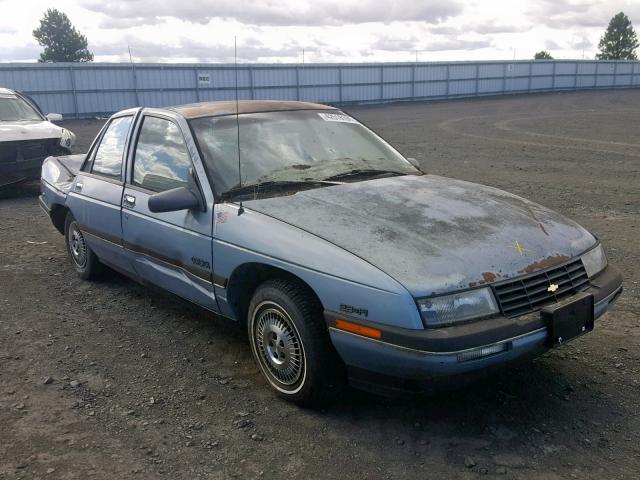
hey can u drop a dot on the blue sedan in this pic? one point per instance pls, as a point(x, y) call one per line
point(342, 258)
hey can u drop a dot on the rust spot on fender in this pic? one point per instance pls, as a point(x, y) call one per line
point(488, 277)
point(473, 284)
point(547, 262)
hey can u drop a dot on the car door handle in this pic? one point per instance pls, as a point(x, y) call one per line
point(129, 201)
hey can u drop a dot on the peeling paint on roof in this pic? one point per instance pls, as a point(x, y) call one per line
point(208, 109)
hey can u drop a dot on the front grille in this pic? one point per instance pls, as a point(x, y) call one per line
point(27, 150)
point(528, 293)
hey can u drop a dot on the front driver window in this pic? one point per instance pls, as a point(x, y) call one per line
point(108, 158)
point(161, 160)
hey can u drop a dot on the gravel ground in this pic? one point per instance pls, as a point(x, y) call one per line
point(113, 380)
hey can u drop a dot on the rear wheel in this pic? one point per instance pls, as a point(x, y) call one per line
point(290, 343)
point(83, 260)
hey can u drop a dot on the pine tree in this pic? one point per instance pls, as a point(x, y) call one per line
point(60, 39)
point(619, 41)
point(543, 55)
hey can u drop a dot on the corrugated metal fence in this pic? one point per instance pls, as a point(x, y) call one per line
point(94, 89)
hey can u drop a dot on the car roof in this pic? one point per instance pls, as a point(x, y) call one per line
point(211, 109)
point(5, 92)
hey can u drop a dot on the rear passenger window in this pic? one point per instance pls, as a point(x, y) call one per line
point(108, 158)
point(161, 160)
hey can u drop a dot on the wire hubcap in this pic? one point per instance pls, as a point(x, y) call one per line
point(278, 344)
point(77, 246)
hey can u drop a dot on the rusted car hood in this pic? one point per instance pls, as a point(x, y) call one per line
point(434, 234)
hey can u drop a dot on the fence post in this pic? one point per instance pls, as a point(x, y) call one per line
point(197, 79)
point(297, 83)
point(553, 76)
point(135, 84)
point(477, 92)
point(340, 84)
point(504, 78)
point(448, 81)
point(615, 74)
point(575, 76)
point(413, 81)
point(251, 90)
point(381, 83)
point(72, 77)
point(530, 76)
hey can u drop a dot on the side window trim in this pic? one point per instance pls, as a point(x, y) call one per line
point(96, 146)
point(132, 145)
point(207, 174)
point(88, 159)
point(131, 164)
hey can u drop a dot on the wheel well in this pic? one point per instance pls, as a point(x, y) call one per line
point(58, 216)
point(246, 278)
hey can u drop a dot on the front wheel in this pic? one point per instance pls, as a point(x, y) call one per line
point(290, 343)
point(83, 260)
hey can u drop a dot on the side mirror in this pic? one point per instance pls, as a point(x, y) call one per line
point(414, 162)
point(54, 117)
point(173, 200)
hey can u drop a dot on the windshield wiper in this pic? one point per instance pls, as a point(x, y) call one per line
point(256, 189)
point(364, 173)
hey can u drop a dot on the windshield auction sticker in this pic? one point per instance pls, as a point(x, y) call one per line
point(337, 117)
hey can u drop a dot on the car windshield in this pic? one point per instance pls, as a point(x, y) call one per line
point(293, 146)
point(14, 109)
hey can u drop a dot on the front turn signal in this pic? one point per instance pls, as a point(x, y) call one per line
point(358, 329)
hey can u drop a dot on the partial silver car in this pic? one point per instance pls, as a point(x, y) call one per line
point(27, 137)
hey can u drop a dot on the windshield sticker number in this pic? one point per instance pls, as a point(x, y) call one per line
point(337, 117)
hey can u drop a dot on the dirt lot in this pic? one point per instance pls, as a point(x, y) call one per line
point(146, 386)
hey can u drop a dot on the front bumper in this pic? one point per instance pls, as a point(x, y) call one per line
point(16, 165)
point(14, 172)
point(402, 356)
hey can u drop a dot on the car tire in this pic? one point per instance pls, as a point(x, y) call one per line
point(83, 259)
point(290, 343)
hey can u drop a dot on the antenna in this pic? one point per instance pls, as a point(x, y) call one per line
point(235, 63)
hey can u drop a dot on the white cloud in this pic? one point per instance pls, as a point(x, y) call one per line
point(581, 13)
point(278, 12)
point(328, 30)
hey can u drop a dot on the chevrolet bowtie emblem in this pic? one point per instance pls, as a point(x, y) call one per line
point(552, 288)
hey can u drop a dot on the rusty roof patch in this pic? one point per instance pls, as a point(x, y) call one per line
point(210, 109)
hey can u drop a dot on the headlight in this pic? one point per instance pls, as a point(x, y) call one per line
point(67, 139)
point(459, 307)
point(594, 260)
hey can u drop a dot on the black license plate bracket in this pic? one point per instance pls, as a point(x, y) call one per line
point(569, 318)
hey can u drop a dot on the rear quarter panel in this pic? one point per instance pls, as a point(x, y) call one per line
point(55, 182)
